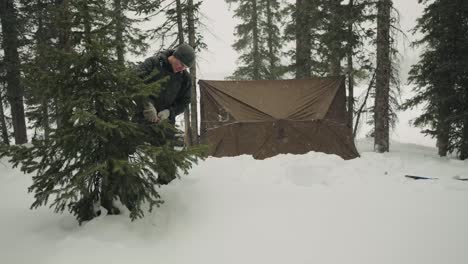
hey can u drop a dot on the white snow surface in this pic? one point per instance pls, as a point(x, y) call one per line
point(312, 208)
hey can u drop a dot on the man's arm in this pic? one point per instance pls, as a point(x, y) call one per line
point(145, 106)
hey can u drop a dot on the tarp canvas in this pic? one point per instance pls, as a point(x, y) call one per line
point(268, 117)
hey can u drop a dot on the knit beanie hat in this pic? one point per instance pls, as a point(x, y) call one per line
point(185, 54)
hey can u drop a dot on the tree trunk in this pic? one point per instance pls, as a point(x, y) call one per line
point(303, 40)
point(45, 119)
point(180, 34)
point(3, 123)
point(180, 22)
point(464, 135)
point(443, 125)
point(15, 90)
point(106, 200)
point(350, 89)
point(382, 93)
point(464, 143)
point(271, 51)
point(202, 118)
point(257, 60)
point(350, 68)
point(193, 73)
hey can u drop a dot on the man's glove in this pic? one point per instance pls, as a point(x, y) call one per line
point(164, 114)
point(150, 113)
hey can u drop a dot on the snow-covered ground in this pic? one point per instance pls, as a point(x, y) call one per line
point(312, 208)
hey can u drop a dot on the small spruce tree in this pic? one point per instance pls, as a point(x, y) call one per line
point(99, 158)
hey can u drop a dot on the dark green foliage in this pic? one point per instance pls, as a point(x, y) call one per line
point(259, 39)
point(99, 156)
point(441, 75)
point(328, 38)
point(302, 29)
point(50, 29)
point(36, 64)
point(336, 38)
point(334, 35)
point(271, 27)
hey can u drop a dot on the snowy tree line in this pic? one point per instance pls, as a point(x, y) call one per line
point(357, 38)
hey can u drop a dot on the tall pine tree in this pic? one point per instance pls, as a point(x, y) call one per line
point(259, 39)
point(3, 120)
point(384, 86)
point(302, 18)
point(334, 34)
point(40, 108)
point(326, 32)
point(440, 76)
point(358, 34)
point(383, 75)
point(4, 124)
point(11, 46)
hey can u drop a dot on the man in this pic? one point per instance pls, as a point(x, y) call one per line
point(169, 67)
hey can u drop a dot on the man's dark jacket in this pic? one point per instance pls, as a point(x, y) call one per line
point(175, 88)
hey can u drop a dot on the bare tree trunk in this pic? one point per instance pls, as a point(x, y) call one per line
point(15, 90)
point(193, 73)
point(382, 93)
point(464, 144)
point(3, 123)
point(350, 89)
point(202, 118)
point(350, 69)
point(45, 119)
point(271, 51)
point(257, 61)
point(443, 125)
point(303, 40)
point(180, 34)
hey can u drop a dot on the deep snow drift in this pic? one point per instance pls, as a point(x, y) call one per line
point(312, 208)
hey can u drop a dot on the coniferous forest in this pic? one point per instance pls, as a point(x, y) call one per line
point(70, 92)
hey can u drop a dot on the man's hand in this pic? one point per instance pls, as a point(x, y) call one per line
point(150, 113)
point(164, 114)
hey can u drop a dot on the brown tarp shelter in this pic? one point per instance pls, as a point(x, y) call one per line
point(265, 118)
